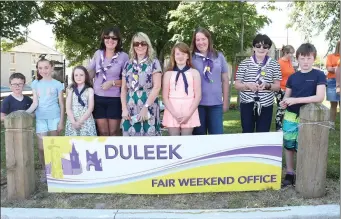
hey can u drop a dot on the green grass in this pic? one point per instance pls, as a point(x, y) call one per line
point(284, 197)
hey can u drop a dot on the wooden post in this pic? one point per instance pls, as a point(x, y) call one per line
point(312, 152)
point(19, 155)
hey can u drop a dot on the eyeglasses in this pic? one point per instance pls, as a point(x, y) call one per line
point(265, 46)
point(143, 43)
point(110, 37)
point(17, 85)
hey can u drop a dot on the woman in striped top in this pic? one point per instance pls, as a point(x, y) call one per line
point(257, 78)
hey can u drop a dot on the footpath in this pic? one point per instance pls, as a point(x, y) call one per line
point(295, 212)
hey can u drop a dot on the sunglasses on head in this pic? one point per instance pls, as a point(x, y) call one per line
point(110, 37)
point(265, 46)
point(143, 43)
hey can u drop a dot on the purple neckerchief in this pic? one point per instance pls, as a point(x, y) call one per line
point(208, 66)
point(182, 72)
point(259, 80)
point(137, 68)
point(104, 69)
point(75, 89)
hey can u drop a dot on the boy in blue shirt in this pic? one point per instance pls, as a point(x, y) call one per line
point(305, 86)
point(16, 100)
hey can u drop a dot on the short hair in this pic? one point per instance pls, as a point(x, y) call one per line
point(306, 49)
point(18, 76)
point(287, 49)
point(117, 33)
point(262, 38)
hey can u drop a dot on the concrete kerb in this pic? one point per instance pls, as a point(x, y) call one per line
point(302, 212)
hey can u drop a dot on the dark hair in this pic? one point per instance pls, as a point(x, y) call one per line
point(18, 76)
point(87, 77)
point(287, 49)
point(117, 33)
point(210, 41)
point(306, 49)
point(262, 38)
point(39, 77)
point(183, 47)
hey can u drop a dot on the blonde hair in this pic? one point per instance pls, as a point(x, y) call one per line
point(141, 37)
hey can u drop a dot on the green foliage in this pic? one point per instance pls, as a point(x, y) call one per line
point(316, 17)
point(15, 17)
point(222, 19)
point(78, 25)
point(7, 45)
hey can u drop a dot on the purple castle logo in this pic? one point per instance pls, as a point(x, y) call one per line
point(92, 160)
point(70, 167)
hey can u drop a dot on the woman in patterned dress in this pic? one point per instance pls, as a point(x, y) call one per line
point(141, 84)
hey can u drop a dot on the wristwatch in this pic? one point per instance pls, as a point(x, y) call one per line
point(113, 83)
point(146, 105)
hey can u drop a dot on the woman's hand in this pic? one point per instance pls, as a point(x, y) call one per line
point(106, 85)
point(252, 86)
point(143, 115)
point(125, 114)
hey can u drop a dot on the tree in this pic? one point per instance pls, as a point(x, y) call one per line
point(15, 17)
point(77, 25)
point(222, 19)
point(312, 18)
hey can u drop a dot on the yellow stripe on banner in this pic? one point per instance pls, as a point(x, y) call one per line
point(225, 177)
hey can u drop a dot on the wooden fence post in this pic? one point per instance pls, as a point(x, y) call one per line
point(19, 155)
point(311, 168)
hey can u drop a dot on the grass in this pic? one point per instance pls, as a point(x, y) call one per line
point(284, 197)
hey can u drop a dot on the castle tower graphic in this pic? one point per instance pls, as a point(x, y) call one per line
point(76, 167)
point(92, 160)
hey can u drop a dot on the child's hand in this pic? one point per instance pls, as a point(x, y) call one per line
point(283, 105)
point(185, 119)
point(290, 101)
point(76, 125)
point(60, 127)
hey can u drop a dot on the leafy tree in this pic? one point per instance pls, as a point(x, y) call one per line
point(312, 18)
point(77, 25)
point(15, 17)
point(222, 19)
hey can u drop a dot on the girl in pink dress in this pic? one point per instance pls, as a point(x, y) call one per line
point(181, 91)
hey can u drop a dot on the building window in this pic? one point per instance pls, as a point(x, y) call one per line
point(11, 70)
point(12, 58)
point(34, 59)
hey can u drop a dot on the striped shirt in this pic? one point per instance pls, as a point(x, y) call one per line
point(247, 72)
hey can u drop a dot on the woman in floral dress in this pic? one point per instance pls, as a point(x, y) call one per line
point(141, 84)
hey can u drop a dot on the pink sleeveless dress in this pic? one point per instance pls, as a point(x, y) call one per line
point(181, 102)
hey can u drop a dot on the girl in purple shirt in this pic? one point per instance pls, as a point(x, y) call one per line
point(106, 70)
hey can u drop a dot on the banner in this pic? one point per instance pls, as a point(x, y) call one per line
point(164, 165)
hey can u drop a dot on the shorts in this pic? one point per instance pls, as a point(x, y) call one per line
point(107, 107)
point(290, 130)
point(47, 125)
point(332, 96)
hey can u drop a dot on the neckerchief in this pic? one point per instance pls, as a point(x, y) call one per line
point(182, 72)
point(75, 89)
point(259, 80)
point(137, 69)
point(208, 66)
point(103, 69)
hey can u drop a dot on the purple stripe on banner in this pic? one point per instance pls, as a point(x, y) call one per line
point(261, 150)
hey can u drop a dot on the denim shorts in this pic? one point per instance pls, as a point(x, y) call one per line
point(332, 96)
point(47, 125)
